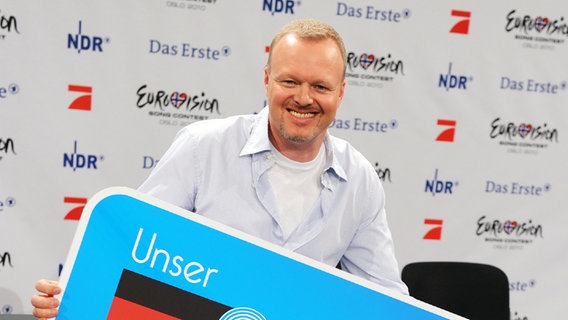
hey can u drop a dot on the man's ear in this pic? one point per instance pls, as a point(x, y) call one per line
point(342, 90)
point(266, 72)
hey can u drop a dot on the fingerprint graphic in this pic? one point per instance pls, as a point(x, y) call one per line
point(242, 313)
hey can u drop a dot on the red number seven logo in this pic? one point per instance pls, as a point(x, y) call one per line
point(75, 213)
point(461, 26)
point(436, 232)
point(82, 102)
point(448, 134)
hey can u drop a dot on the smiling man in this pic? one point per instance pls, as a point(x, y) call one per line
point(304, 81)
point(279, 175)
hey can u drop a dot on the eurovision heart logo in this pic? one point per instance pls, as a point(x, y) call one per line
point(366, 59)
point(178, 99)
point(524, 129)
point(509, 226)
point(540, 23)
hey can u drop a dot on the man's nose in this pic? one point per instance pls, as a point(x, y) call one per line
point(303, 95)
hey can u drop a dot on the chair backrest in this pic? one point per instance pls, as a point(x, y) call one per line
point(471, 290)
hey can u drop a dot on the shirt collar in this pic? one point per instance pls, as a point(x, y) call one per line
point(334, 164)
point(257, 141)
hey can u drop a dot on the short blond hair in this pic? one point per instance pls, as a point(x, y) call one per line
point(311, 29)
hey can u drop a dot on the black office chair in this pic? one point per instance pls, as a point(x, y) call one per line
point(472, 290)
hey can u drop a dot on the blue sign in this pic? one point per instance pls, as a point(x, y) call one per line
point(136, 257)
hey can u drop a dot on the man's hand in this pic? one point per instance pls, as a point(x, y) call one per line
point(45, 304)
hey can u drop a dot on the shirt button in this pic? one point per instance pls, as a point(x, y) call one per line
point(269, 157)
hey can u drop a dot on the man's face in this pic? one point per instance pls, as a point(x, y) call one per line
point(304, 86)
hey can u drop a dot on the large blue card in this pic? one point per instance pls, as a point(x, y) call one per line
point(135, 257)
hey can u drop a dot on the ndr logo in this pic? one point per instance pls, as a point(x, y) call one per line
point(436, 185)
point(279, 6)
point(77, 160)
point(452, 81)
point(81, 42)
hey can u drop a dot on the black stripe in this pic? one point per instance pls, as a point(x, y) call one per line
point(167, 299)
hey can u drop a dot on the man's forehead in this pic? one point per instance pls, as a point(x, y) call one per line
point(292, 38)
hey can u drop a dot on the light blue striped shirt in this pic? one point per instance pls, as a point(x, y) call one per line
point(217, 168)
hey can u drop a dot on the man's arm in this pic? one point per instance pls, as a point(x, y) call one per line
point(371, 255)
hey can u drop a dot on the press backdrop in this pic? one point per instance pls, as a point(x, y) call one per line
point(459, 105)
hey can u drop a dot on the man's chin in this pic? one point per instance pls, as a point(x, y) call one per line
point(299, 139)
point(297, 135)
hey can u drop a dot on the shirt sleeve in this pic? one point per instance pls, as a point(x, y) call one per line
point(174, 178)
point(370, 254)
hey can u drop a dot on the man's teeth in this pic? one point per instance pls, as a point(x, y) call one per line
point(301, 115)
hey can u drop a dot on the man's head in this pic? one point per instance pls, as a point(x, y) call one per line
point(304, 81)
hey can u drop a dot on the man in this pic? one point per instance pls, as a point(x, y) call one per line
point(279, 175)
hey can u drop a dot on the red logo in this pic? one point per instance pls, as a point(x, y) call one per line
point(462, 26)
point(75, 213)
point(436, 232)
point(448, 134)
point(83, 102)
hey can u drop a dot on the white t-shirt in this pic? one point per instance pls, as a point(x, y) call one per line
point(297, 186)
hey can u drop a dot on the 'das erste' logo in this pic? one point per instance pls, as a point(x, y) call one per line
point(370, 12)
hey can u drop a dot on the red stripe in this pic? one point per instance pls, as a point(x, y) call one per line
point(443, 122)
point(121, 309)
point(433, 221)
point(459, 13)
point(74, 200)
point(76, 88)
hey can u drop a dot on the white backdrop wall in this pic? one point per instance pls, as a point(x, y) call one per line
point(460, 105)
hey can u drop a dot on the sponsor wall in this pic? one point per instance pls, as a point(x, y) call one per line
point(459, 105)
